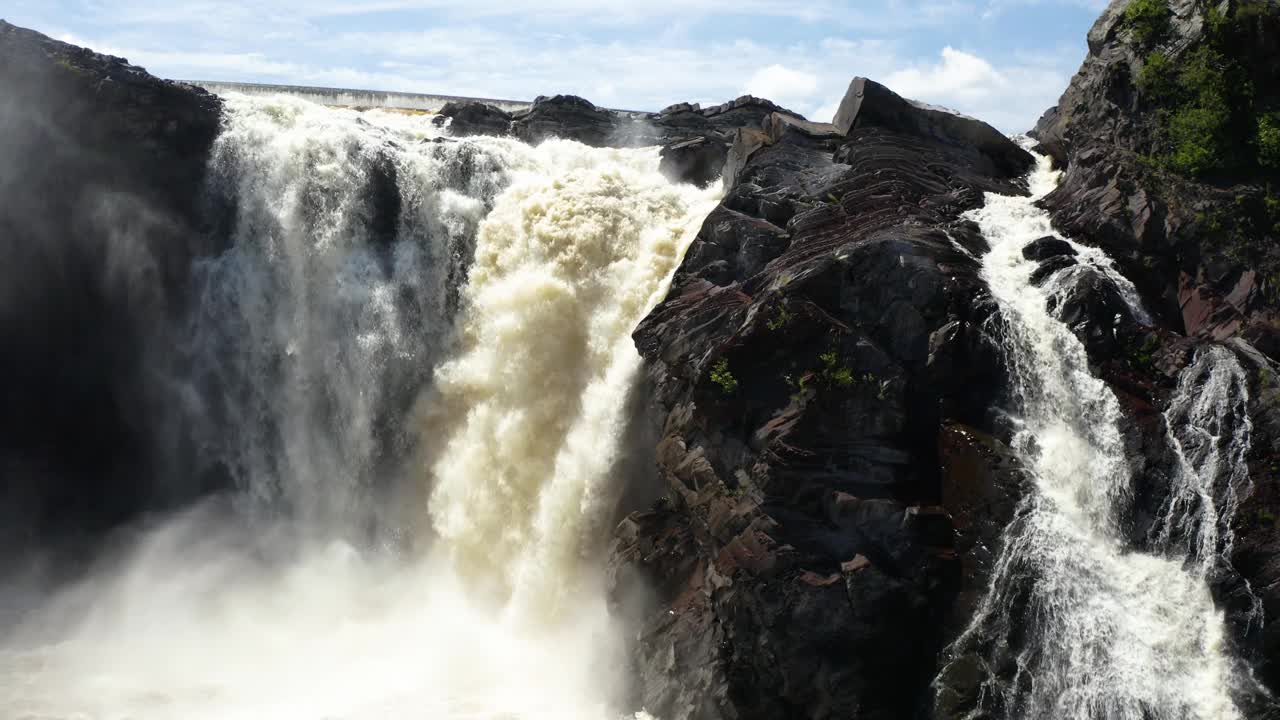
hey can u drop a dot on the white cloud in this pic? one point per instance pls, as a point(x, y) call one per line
point(782, 85)
point(960, 76)
point(675, 61)
point(825, 113)
point(1010, 98)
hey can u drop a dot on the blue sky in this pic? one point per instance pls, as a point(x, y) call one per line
point(1004, 61)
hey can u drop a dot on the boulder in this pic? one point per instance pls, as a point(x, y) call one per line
point(1047, 247)
point(1090, 304)
point(699, 160)
point(475, 118)
point(565, 116)
point(1050, 266)
point(868, 103)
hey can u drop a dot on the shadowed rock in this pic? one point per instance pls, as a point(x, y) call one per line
point(475, 118)
point(101, 184)
point(698, 161)
point(564, 116)
point(1047, 247)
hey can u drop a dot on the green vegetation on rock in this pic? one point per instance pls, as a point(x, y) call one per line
point(1207, 110)
point(722, 376)
point(779, 320)
point(833, 372)
point(1158, 77)
point(1269, 141)
point(1147, 20)
point(1143, 357)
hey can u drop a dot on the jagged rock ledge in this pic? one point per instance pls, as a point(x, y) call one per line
point(695, 140)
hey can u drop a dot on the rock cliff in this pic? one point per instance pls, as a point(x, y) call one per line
point(822, 376)
point(102, 178)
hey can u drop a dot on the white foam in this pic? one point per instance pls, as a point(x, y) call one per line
point(285, 612)
point(1108, 632)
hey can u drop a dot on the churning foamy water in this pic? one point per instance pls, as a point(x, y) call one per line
point(1077, 624)
point(414, 363)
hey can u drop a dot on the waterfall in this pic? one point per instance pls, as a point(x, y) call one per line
point(1208, 429)
point(319, 325)
point(413, 363)
point(535, 401)
point(1077, 624)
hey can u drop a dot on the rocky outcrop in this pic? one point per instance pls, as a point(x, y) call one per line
point(102, 178)
point(821, 349)
point(1191, 217)
point(869, 103)
point(467, 118)
point(1199, 245)
point(698, 160)
point(695, 141)
point(569, 117)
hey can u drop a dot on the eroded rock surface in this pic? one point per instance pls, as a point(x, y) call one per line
point(820, 351)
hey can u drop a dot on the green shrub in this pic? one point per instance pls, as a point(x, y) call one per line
point(1158, 78)
point(779, 320)
point(1203, 73)
point(721, 375)
point(1271, 204)
point(1269, 140)
point(1201, 101)
point(1197, 135)
point(833, 372)
point(1147, 20)
point(1204, 99)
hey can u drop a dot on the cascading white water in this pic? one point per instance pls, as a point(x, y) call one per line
point(1209, 431)
point(316, 329)
point(319, 329)
point(1076, 624)
point(536, 400)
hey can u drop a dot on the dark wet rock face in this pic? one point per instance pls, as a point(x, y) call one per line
point(1047, 247)
point(1050, 266)
point(869, 103)
point(1257, 526)
point(698, 160)
point(102, 177)
point(1198, 241)
point(806, 557)
point(475, 118)
point(565, 116)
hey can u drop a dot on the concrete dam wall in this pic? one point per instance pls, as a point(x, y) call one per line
point(353, 98)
